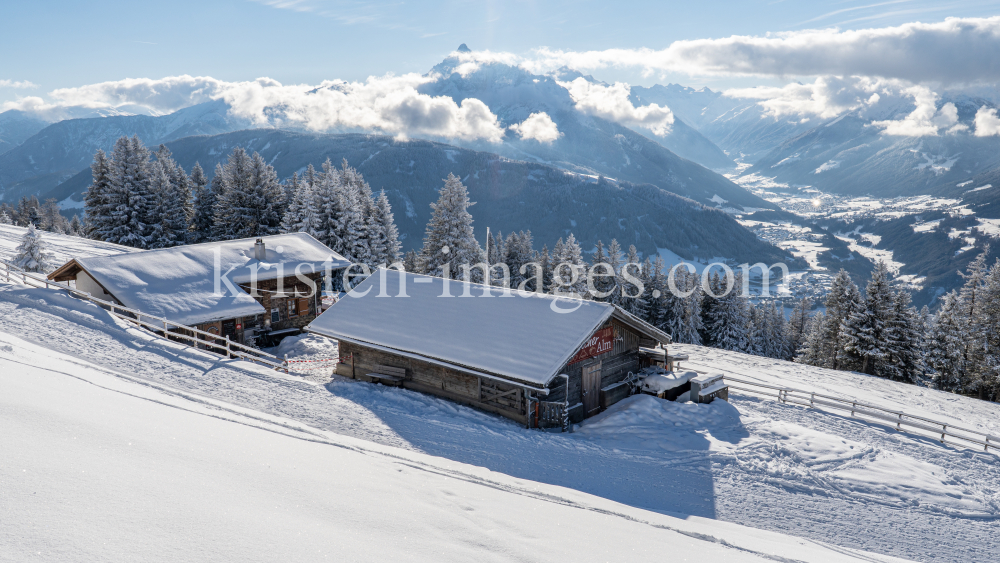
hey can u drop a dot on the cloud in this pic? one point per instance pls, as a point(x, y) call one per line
point(987, 123)
point(15, 84)
point(926, 119)
point(390, 104)
point(830, 96)
point(957, 50)
point(612, 103)
point(826, 97)
point(538, 126)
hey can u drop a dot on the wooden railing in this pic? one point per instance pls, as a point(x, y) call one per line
point(897, 419)
point(170, 329)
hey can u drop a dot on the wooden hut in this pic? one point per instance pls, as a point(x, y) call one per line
point(233, 288)
point(530, 357)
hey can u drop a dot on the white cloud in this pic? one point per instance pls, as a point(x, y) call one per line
point(826, 97)
point(987, 122)
point(538, 126)
point(612, 103)
point(390, 104)
point(957, 50)
point(926, 119)
point(17, 84)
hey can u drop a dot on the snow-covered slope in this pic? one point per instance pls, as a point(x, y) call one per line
point(100, 464)
point(62, 247)
point(754, 462)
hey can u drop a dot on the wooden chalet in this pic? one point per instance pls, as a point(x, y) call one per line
point(211, 286)
point(526, 356)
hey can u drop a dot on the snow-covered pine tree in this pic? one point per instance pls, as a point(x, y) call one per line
point(729, 322)
point(95, 199)
point(904, 340)
point(290, 186)
point(203, 206)
point(656, 292)
point(616, 259)
point(798, 328)
point(692, 327)
point(814, 348)
point(51, 219)
point(28, 212)
point(945, 345)
point(328, 202)
point(987, 321)
point(5, 218)
point(867, 330)
point(169, 210)
point(544, 259)
point(450, 228)
point(129, 196)
point(75, 226)
point(776, 342)
point(411, 262)
point(518, 253)
point(840, 302)
point(633, 299)
point(32, 254)
point(383, 240)
point(356, 222)
point(250, 202)
point(758, 330)
point(567, 258)
point(300, 213)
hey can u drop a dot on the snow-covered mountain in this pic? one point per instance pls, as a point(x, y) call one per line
point(16, 126)
point(60, 150)
point(849, 155)
point(738, 126)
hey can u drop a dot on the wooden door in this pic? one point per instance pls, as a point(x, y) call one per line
point(591, 389)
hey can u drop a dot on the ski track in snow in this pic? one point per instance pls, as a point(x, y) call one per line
point(755, 462)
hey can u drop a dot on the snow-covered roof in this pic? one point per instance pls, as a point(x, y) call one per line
point(521, 337)
point(180, 283)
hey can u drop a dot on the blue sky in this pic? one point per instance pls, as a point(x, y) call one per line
point(58, 44)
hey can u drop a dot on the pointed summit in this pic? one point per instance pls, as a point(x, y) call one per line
point(463, 48)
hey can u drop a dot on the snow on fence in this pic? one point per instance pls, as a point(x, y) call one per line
point(898, 419)
point(155, 324)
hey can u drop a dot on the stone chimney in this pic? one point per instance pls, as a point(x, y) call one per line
point(258, 251)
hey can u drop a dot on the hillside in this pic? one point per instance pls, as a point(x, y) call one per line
point(183, 456)
point(823, 476)
point(511, 195)
point(62, 247)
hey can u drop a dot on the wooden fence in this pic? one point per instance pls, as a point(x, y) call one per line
point(901, 421)
point(170, 329)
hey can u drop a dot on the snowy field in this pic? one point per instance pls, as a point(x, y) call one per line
point(107, 458)
point(754, 462)
point(63, 247)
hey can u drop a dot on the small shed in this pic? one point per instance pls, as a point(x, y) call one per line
point(503, 351)
point(210, 286)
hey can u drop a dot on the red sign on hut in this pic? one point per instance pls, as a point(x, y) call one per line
point(600, 342)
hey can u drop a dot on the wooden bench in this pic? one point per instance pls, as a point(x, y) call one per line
point(387, 375)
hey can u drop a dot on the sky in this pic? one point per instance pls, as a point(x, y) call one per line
point(346, 64)
point(57, 44)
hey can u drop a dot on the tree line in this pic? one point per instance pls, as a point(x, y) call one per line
point(144, 199)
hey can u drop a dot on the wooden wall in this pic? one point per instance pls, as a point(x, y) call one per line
point(615, 366)
point(489, 395)
point(290, 284)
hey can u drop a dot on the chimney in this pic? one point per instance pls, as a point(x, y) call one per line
point(258, 251)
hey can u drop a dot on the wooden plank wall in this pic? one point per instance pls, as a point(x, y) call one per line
point(489, 395)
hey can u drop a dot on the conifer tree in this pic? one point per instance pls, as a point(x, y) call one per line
point(129, 197)
point(203, 206)
point(4, 217)
point(32, 254)
point(449, 241)
point(95, 199)
point(383, 242)
point(815, 347)
point(633, 299)
point(170, 209)
point(251, 201)
point(75, 226)
point(411, 262)
point(798, 328)
point(567, 259)
point(867, 330)
point(729, 323)
point(945, 345)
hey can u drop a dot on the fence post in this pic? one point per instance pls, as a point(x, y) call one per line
point(944, 428)
point(286, 364)
point(228, 353)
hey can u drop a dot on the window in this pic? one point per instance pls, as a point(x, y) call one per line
point(291, 308)
point(275, 316)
